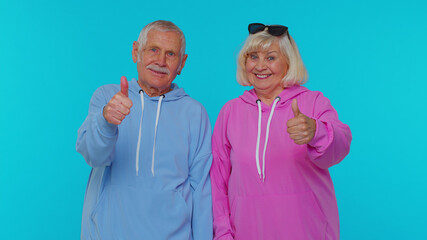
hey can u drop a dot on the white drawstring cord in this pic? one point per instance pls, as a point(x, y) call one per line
point(262, 175)
point(266, 136)
point(258, 138)
point(155, 132)
point(141, 94)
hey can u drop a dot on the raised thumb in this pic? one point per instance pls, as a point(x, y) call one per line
point(124, 86)
point(295, 108)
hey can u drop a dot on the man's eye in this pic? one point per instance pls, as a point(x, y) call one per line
point(153, 49)
point(171, 54)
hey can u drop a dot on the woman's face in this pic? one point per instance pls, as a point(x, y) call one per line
point(266, 69)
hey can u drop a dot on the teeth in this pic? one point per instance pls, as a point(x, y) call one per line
point(261, 76)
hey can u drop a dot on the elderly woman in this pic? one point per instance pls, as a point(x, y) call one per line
point(272, 148)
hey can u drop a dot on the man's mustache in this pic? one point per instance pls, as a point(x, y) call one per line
point(158, 69)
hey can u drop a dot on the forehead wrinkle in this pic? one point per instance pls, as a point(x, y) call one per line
point(169, 37)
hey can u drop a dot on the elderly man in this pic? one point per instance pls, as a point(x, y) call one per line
point(149, 146)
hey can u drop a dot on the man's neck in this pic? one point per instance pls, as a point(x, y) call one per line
point(152, 91)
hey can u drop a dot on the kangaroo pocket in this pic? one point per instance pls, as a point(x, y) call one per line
point(290, 216)
point(135, 213)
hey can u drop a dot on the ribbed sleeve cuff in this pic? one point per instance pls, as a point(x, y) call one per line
point(321, 137)
point(105, 128)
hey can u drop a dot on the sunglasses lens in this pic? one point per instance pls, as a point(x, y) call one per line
point(277, 30)
point(256, 27)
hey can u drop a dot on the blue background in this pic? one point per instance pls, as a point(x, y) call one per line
point(368, 57)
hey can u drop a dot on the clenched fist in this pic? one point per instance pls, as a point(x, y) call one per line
point(119, 106)
point(301, 128)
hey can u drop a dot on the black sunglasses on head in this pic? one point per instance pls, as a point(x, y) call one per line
point(275, 30)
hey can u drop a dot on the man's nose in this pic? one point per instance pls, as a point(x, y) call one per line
point(161, 60)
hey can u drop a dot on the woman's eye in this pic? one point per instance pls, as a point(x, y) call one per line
point(270, 58)
point(253, 56)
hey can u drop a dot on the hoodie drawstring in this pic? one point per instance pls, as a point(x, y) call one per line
point(141, 94)
point(262, 175)
point(155, 132)
point(258, 137)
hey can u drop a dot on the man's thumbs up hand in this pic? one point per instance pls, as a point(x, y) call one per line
point(119, 106)
point(124, 86)
point(301, 128)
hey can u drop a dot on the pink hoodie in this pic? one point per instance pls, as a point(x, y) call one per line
point(296, 199)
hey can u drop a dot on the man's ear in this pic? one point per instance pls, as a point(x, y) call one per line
point(184, 58)
point(135, 51)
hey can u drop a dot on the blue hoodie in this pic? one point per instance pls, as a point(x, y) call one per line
point(162, 191)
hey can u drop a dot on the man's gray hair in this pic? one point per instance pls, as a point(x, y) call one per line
point(162, 26)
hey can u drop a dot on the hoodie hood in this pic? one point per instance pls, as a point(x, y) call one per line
point(287, 94)
point(175, 94)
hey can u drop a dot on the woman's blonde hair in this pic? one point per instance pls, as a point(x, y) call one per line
point(296, 75)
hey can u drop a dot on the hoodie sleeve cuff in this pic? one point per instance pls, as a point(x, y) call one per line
point(321, 137)
point(104, 127)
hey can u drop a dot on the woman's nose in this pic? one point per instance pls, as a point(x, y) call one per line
point(260, 65)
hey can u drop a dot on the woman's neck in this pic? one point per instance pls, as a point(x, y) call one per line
point(267, 97)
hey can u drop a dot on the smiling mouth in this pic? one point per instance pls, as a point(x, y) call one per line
point(262, 76)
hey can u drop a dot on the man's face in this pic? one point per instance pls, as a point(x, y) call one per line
point(160, 60)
